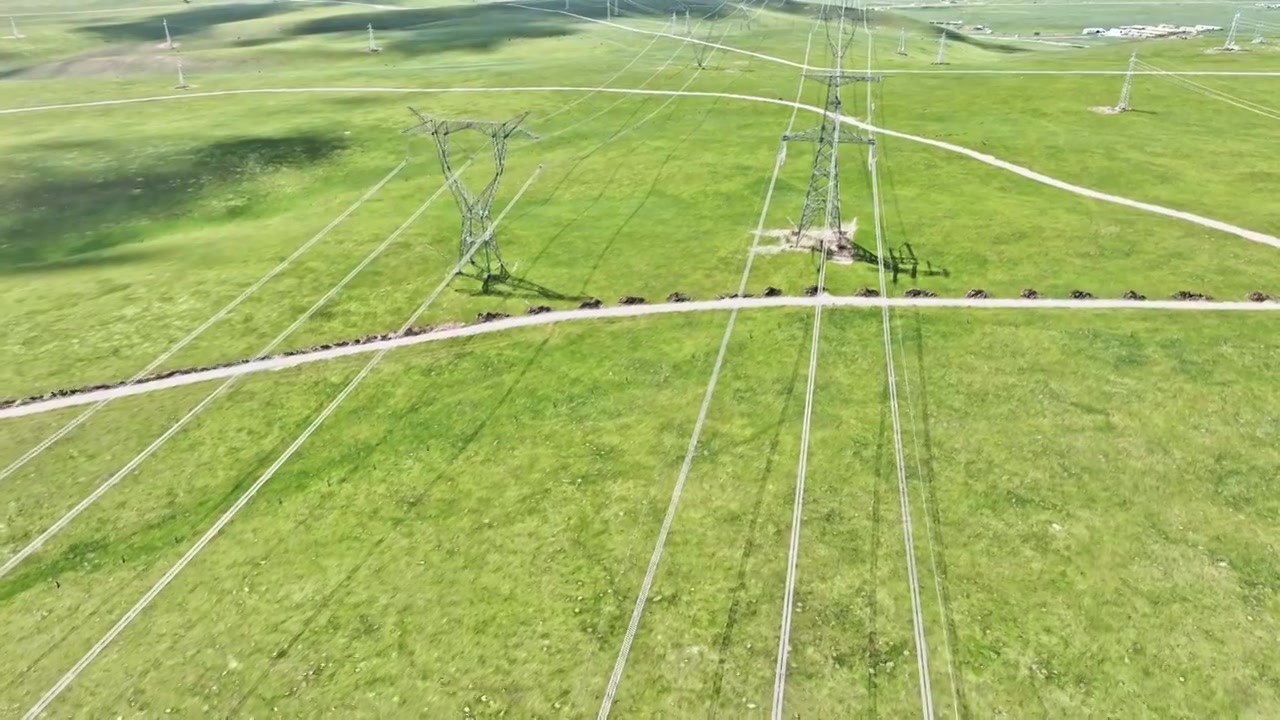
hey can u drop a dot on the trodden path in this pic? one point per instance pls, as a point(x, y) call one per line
point(1251, 235)
point(622, 311)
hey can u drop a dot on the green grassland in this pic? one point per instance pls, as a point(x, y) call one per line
point(598, 461)
point(132, 224)
point(467, 534)
point(478, 518)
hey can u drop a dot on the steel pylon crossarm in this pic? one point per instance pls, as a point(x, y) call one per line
point(822, 199)
point(477, 225)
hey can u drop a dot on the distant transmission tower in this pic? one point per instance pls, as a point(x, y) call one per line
point(182, 81)
point(477, 226)
point(1230, 44)
point(373, 47)
point(13, 24)
point(702, 51)
point(942, 50)
point(902, 42)
point(688, 26)
point(168, 39)
point(822, 199)
point(1257, 35)
point(1127, 90)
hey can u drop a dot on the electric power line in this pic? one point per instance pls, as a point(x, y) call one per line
point(177, 427)
point(213, 319)
point(922, 652)
point(633, 625)
point(1210, 92)
point(125, 620)
point(823, 194)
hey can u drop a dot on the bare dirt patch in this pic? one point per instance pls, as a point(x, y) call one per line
point(839, 246)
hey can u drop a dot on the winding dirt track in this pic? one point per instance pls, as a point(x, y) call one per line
point(622, 311)
point(1251, 235)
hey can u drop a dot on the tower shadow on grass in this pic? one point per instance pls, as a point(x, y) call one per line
point(885, 473)
point(732, 617)
point(904, 257)
point(653, 186)
point(587, 208)
point(873, 653)
point(84, 558)
point(517, 287)
point(939, 547)
point(337, 590)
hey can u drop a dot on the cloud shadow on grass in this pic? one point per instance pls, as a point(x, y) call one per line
point(443, 29)
point(482, 27)
point(979, 43)
point(81, 262)
point(57, 220)
point(183, 23)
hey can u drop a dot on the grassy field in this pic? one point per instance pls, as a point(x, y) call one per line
point(596, 461)
point(467, 535)
point(130, 225)
point(1106, 552)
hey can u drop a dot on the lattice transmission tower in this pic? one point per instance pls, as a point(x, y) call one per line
point(1126, 92)
point(902, 42)
point(13, 25)
point(1230, 44)
point(941, 59)
point(478, 244)
point(822, 199)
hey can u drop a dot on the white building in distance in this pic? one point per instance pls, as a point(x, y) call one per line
point(1151, 31)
